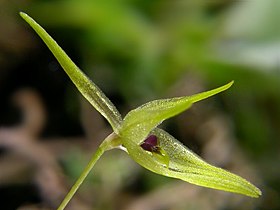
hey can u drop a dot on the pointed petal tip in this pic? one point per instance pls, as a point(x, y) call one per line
point(253, 192)
point(203, 95)
point(25, 16)
point(226, 86)
point(231, 83)
point(258, 193)
point(22, 14)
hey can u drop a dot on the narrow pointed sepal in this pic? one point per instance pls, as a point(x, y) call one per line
point(87, 88)
point(185, 165)
point(140, 121)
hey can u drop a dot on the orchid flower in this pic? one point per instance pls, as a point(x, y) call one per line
point(138, 133)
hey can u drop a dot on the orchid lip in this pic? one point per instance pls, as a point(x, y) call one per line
point(151, 144)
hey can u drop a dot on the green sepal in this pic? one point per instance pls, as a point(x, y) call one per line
point(87, 88)
point(139, 122)
point(187, 166)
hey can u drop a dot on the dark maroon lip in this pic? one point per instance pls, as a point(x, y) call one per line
point(150, 144)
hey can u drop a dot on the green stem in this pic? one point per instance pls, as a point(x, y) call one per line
point(110, 142)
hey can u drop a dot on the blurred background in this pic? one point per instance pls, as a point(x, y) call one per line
point(136, 51)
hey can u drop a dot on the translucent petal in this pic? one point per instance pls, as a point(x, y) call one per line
point(139, 122)
point(187, 166)
point(88, 89)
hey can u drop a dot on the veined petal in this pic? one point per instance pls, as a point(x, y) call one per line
point(140, 121)
point(187, 166)
point(87, 88)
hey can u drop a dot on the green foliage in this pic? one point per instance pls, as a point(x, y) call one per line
point(166, 155)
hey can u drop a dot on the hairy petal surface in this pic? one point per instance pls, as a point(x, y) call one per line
point(168, 156)
point(140, 121)
point(185, 165)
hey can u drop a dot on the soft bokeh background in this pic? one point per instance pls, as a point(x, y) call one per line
point(137, 51)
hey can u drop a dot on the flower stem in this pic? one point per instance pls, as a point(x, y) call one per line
point(109, 143)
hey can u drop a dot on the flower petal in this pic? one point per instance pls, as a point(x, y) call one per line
point(87, 88)
point(140, 121)
point(187, 166)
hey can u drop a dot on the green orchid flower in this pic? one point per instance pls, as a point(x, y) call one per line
point(138, 135)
